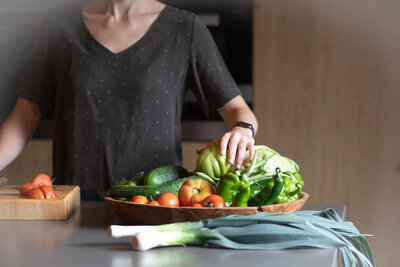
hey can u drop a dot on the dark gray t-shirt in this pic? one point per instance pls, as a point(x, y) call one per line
point(119, 114)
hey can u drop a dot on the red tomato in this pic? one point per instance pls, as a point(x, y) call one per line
point(195, 205)
point(25, 188)
point(154, 203)
point(36, 193)
point(139, 199)
point(213, 201)
point(168, 199)
point(48, 191)
point(41, 179)
point(194, 191)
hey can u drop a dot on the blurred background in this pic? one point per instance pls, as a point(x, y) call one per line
point(325, 88)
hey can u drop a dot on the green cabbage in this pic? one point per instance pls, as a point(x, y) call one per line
point(267, 160)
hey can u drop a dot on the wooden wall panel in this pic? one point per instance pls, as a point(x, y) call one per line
point(190, 155)
point(36, 158)
point(327, 94)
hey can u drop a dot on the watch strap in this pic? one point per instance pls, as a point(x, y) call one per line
point(246, 125)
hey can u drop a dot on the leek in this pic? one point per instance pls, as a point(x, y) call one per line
point(263, 231)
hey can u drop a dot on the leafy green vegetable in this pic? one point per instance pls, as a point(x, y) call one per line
point(267, 160)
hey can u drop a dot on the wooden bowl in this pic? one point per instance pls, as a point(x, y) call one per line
point(154, 215)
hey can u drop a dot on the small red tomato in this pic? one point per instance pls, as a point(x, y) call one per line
point(195, 205)
point(36, 193)
point(213, 201)
point(139, 199)
point(168, 199)
point(154, 203)
point(25, 188)
point(41, 179)
point(48, 191)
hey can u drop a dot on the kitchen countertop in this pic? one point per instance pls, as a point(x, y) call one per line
point(82, 240)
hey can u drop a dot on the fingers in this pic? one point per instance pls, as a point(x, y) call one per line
point(223, 145)
point(237, 142)
point(251, 151)
point(240, 155)
point(245, 143)
point(233, 145)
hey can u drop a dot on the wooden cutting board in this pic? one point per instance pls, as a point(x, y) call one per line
point(16, 207)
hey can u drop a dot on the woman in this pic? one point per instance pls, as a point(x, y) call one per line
point(114, 73)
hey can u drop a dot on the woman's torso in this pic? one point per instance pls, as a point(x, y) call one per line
point(119, 113)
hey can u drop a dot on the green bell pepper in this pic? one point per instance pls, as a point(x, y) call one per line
point(234, 189)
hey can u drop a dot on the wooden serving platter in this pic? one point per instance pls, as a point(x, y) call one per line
point(13, 206)
point(147, 214)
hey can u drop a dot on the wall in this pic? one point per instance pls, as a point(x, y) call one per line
point(36, 158)
point(327, 94)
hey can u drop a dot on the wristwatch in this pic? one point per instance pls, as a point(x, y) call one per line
point(246, 125)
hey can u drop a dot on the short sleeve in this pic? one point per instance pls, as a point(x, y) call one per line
point(208, 76)
point(37, 83)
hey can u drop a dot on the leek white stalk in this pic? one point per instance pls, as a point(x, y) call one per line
point(147, 240)
point(117, 231)
point(264, 231)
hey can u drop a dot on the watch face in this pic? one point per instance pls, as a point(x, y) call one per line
point(246, 124)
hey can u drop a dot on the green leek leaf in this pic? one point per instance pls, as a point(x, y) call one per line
point(264, 231)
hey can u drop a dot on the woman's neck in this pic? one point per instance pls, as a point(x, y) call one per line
point(120, 8)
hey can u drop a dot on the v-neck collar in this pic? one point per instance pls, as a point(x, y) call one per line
point(132, 46)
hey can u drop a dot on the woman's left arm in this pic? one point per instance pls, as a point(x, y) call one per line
point(238, 139)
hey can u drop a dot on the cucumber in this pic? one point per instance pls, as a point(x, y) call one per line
point(126, 191)
point(166, 174)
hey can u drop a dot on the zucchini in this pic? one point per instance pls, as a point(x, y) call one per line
point(166, 174)
point(126, 191)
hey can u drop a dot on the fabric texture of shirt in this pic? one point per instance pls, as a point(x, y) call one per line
point(119, 114)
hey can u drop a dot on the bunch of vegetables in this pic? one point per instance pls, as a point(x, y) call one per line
point(169, 186)
point(268, 179)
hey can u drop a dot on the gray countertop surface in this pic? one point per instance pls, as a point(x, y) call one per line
point(82, 240)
